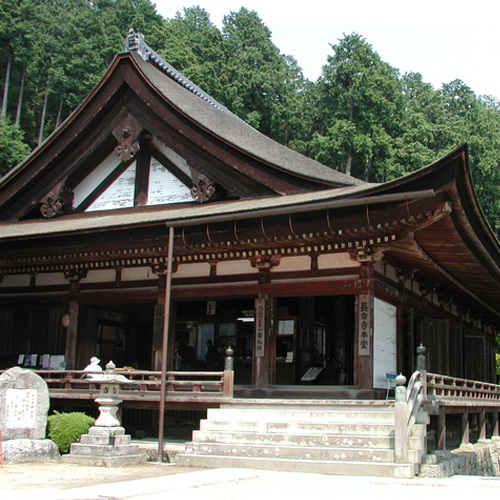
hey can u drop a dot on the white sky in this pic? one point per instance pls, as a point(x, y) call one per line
point(441, 39)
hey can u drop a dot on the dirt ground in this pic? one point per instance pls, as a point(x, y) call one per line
point(65, 476)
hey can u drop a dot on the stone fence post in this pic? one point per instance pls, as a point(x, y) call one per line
point(229, 359)
point(400, 421)
point(229, 373)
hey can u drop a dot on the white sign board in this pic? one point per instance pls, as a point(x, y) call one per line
point(20, 408)
point(384, 342)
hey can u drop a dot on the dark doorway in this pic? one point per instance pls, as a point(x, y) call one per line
point(119, 333)
point(314, 340)
point(204, 329)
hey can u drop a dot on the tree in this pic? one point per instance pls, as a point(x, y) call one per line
point(425, 130)
point(193, 45)
point(12, 147)
point(254, 72)
point(361, 109)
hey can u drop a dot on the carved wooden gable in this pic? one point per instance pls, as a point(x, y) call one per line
point(147, 136)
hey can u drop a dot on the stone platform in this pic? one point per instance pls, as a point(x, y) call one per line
point(105, 446)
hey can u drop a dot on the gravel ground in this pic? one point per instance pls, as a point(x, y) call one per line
point(65, 476)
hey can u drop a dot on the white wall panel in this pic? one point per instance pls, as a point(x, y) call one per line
point(335, 261)
point(384, 342)
point(232, 267)
point(15, 280)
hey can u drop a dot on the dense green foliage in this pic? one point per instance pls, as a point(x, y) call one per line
point(66, 428)
point(12, 147)
point(361, 116)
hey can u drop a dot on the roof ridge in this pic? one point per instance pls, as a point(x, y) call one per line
point(134, 42)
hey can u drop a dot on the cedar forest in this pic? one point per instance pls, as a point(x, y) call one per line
point(361, 116)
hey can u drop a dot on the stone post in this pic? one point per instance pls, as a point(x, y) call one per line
point(228, 381)
point(229, 359)
point(401, 421)
point(421, 363)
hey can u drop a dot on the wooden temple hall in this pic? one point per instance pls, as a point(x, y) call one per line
point(156, 226)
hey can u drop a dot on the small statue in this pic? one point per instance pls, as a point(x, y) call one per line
point(93, 367)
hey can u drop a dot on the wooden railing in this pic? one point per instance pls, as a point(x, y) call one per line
point(453, 391)
point(408, 406)
point(416, 395)
point(433, 392)
point(136, 385)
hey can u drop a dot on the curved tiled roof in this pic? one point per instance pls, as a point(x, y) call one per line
point(217, 119)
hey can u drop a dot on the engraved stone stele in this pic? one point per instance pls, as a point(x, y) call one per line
point(24, 404)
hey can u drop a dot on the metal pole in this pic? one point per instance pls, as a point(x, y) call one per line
point(164, 345)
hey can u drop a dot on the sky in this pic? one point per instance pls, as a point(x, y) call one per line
point(441, 39)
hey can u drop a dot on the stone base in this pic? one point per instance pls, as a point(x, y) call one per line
point(103, 461)
point(105, 446)
point(480, 459)
point(29, 450)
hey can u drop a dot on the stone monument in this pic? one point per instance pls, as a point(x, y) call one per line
point(24, 404)
point(106, 444)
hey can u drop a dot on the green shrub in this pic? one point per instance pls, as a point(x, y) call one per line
point(66, 428)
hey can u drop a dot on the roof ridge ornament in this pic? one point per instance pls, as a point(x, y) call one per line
point(134, 41)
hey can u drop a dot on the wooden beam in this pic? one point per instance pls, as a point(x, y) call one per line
point(441, 430)
point(142, 175)
point(465, 427)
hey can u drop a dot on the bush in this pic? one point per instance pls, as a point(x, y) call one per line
point(66, 428)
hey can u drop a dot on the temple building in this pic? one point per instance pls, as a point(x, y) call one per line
point(317, 280)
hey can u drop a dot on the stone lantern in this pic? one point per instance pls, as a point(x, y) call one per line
point(106, 443)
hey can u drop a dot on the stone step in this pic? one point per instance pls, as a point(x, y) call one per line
point(340, 440)
point(301, 415)
point(291, 452)
point(297, 427)
point(103, 439)
point(335, 437)
point(105, 461)
point(316, 466)
point(374, 405)
point(103, 450)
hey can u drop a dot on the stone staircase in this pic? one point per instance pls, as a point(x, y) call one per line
point(351, 437)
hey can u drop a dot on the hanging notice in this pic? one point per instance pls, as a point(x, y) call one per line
point(260, 326)
point(364, 325)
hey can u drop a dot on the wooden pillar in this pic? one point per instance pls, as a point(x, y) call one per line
point(263, 352)
point(482, 424)
point(160, 318)
point(465, 427)
point(494, 423)
point(72, 335)
point(363, 348)
point(441, 430)
point(74, 278)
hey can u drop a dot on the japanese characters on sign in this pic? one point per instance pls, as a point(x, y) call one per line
point(211, 307)
point(260, 326)
point(21, 407)
point(364, 325)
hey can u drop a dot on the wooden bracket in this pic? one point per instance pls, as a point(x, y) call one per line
point(127, 135)
point(75, 275)
point(205, 189)
point(58, 200)
point(265, 262)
